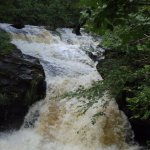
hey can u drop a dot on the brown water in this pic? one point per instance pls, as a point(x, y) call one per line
point(59, 123)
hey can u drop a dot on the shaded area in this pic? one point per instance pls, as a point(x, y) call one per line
point(51, 13)
point(123, 75)
point(22, 82)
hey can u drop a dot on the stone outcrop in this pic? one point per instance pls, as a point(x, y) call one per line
point(22, 82)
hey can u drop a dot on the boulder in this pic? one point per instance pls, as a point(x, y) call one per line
point(22, 82)
point(140, 127)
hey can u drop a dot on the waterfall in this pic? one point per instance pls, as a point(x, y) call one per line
point(58, 122)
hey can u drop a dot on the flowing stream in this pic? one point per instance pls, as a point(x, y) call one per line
point(58, 122)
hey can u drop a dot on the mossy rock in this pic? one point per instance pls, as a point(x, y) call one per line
point(22, 82)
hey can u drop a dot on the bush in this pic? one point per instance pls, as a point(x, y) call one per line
point(54, 13)
point(125, 30)
point(5, 46)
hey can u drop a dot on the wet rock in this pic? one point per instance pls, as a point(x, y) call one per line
point(18, 26)
point(139, 126)
point(95, 56)
point(18, 23)
point(82, 22)
point(22, 82)
point(76, 30)
point(92, 56)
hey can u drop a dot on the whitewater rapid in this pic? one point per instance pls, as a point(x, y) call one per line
point(58, 122)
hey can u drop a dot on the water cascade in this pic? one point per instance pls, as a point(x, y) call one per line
point(58, 122)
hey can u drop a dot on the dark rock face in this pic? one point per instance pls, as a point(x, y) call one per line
point(140, 127)
point(76, 30)
point(82, 22)
point(22, 82)
point(18, 26)
point(18, 23)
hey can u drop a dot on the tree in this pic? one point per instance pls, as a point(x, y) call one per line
point(125, 30)
point(54, 13)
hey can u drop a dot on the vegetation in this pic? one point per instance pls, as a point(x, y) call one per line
point(125, 30)
point(53, 13)
point(3, 99)
point(30, 96)
point(5, 46)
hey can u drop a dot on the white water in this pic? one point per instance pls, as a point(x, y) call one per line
point(61, 125)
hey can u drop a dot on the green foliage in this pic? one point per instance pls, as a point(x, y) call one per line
point(5, 46)
point(30, 96)
point(92, 92)
point(148, 145)
point(54, 13)
point(3, 99)
point(125, 30)
point(94, 118)
point(130, 77)
point(141, 102)
point(89, 96)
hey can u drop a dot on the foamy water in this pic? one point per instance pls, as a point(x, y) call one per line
point(58, 123)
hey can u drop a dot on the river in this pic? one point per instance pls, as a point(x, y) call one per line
point(59, 122)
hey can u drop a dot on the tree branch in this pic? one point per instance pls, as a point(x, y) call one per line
point(140, 40)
